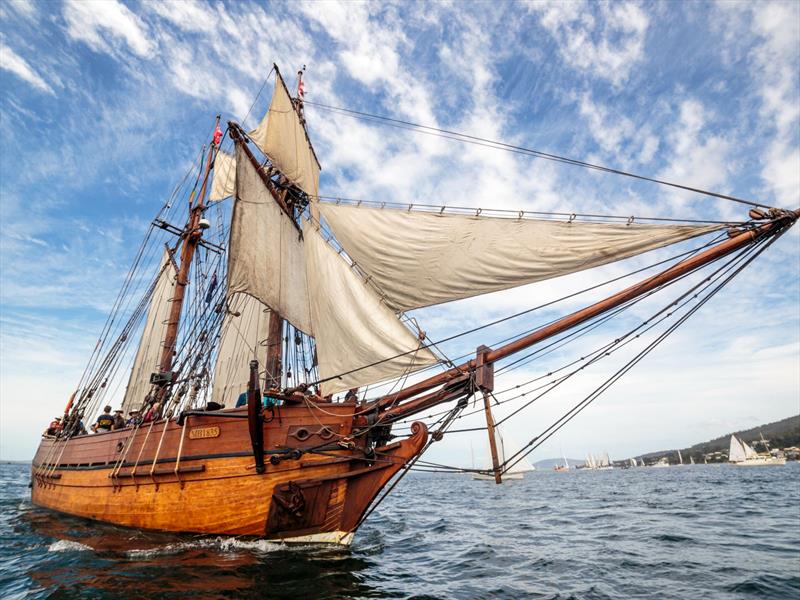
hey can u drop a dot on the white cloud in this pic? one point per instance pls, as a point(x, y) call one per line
point(105, 24)
point(14, 63)
point(776, 60)
point(606, 44)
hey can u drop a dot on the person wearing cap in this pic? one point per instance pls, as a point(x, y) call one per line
point(119, 420)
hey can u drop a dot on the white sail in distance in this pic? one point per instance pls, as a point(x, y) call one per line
point(148, 353)
point(736, 452)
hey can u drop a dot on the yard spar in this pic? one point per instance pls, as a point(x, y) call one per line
point(252, 331)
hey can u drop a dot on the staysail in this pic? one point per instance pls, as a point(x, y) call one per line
point(353, 328)
point(283, 138)
point(149, 352)
point(420, 259)
point(266, 257)
point(245, 329)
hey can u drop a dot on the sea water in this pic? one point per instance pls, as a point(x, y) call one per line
point(713, 531)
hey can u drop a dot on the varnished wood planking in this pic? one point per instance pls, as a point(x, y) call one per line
point(221, 494)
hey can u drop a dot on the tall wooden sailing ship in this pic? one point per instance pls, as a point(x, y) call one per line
point(295, 302)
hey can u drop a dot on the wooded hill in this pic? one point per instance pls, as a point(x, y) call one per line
point(780, 434)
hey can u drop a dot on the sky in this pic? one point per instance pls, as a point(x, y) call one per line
point(104, 105)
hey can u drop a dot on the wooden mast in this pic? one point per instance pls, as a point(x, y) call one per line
point(192, 235)
point(395, 411)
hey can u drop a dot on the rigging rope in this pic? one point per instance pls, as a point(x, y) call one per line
point(479, 141)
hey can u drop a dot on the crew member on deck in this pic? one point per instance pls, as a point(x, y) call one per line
point(119, 420)
point(153, 413)
point(55, 427)
point(134, 418)
point(104, 422)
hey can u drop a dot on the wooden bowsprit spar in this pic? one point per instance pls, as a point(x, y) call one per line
point(477, 373)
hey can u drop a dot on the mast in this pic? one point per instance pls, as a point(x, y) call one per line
point(395, 411)
point(192, 235)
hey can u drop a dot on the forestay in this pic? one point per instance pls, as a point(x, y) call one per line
point(353, 328)
point(266, 258)
point(419, 258)
point(245, 329)
point(283, 138)
point(148, 354)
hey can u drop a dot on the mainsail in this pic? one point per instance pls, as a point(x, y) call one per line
point(244, 334)
point(303, 279)
point(419, 259)
point(150, 346)
point(737, 452)
point(283, 138)
point(266, 257)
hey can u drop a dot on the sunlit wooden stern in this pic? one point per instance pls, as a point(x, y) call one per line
point(200, 477)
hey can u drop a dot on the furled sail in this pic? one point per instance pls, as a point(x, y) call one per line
point(353, 328)
point(283, 138)
point(420, 258)
point(244, 332)
point(149, 351)
point(266, 258)
point(223, 185)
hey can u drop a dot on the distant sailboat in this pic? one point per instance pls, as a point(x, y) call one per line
point(564, 467)
point(605, 463)
point(742, 455)
point(691, 459)
point(633, 462)
point(680, 458)
point(663, 462)
point(505, 451)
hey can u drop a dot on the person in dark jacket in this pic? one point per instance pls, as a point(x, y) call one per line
point(104, 422)
point(119, 420)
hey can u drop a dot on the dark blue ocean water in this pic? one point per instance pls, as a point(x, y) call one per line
point(682, 532)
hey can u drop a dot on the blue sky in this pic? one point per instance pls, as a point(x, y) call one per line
point(105, 104)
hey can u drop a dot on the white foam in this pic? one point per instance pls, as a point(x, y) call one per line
point(68, 546)
point(223, 544)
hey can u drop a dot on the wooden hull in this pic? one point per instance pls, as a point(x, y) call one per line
point(201, 477)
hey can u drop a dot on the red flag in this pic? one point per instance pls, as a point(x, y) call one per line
point(217, 135)
point(300, 89)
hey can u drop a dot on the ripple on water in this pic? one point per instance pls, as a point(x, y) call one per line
point(689, 533)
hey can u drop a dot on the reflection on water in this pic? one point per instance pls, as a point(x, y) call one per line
point(643, 532)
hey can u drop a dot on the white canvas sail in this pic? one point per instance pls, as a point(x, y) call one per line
point(506, 449)
point(245, 329)
point(266, 257)
point(736, 452)
point(353, 328)
point(223, 183)
point(282, 137)
point(680, 458)
point(748, 450)
point(149, 352)
point(420, 259)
